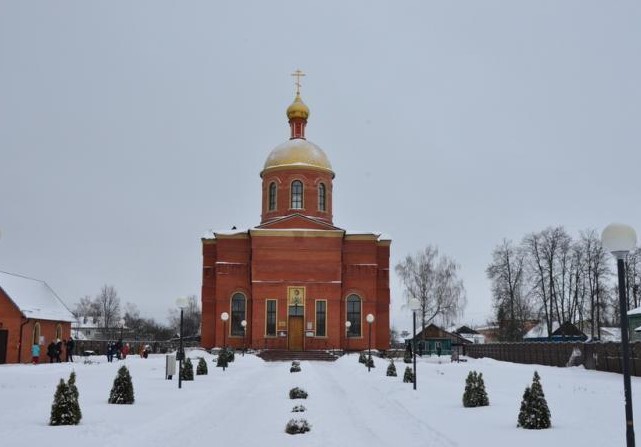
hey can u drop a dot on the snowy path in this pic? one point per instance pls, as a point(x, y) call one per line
point(248, 405)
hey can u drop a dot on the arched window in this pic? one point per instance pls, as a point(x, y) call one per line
point(354, 315)
point(297, 195)
point(36, 334)
point(322, 198)
point(58, 331)
point(238, 303)
point(272, 196)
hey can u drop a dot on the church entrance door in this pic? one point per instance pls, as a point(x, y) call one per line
point(295, 334)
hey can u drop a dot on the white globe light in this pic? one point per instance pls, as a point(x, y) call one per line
point(415, 304)
point(224, 316)
point(181, 302)
point(619, 238)
point(370, 318)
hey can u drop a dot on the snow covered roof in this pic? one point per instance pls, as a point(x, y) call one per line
point(541, 330)
point(636, 311)
point(638, 329)
point(34, 298)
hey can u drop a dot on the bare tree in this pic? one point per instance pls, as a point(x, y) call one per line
point(434, 281)
point(507, 273)
point(109, 303)
point(596, 274)
point(86, 308)
point(191, 317)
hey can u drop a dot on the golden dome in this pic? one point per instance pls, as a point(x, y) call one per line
point(298, 109)
point(298, 153)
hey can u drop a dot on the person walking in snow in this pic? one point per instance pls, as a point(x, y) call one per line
point(35, 353)
point(70, 345)
point(58, 351)
point(51, 351)
point(110, 351)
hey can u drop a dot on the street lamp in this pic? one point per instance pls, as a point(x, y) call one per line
point(415, 305)
point(370, 320)
point(224, 316)
point(244, 325)
point(181, 303)
point(348, 324)
point(619, 239)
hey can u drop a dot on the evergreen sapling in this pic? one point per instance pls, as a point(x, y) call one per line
point(187, 371)
point(122, 391)
point(534, 412)
point(62, 409)
point(391, 369)
point(408, 377)
point(475, 394)
point(201, 369)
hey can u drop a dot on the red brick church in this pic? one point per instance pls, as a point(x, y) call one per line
point(293, 281)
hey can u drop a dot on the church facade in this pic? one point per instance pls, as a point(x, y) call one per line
point(296, 281)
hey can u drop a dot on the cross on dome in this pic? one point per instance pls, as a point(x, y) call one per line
point(298, 74)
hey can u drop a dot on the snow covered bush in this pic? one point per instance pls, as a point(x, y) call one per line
point(122, 391)
point(187, 370)
point(295, 363)
point(65, 409)
point(475, 394)
point(296, 426)
point(370, 362)
point(297, 393)
point(201, 369)
point(362, 358)
point(391, 369)
point(299, 409)
point(534, 413)
point(408, 377)
point(294, 369)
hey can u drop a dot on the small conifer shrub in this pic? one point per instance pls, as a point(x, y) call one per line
point(201, 368)
point(408, 377)
point(407, 355)
point(299, 409)
point(187, 371)
point(369, 362)
point(475, 394)
point(65, 409)
point(294, 369)
point(223, 360)
point(534, 413)
point(295, 363)
point(297, 426)
point(362, 358)
point(297, 393)
point(391, 369)
point(75, 394)
point(122, 391)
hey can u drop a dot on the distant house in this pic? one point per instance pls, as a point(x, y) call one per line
point(490, 332)
point(435, 340)
point(30, 313)
point(470, 334)
point(560, 332)
point(634, 323)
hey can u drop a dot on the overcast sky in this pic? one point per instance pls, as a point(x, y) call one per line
point(129, 129)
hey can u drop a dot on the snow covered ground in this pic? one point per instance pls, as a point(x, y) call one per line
point(248, 405)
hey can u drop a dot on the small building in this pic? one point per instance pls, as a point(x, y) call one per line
point(435, 340)
point(30, 313)
point(471, 335)
point(634, 324)
point(560, 332)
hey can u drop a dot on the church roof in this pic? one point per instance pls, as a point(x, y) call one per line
point(298, 152)
point(34, 298)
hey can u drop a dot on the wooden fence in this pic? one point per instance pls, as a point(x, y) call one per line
point(599, 356)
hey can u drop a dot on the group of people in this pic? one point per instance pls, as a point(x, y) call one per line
point(55, 350)
point(118, 349)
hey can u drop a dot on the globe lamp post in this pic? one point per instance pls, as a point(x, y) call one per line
point(244, 325)
point(415, 305)
point(370, 320)
point(181, 303)
point(348, 324)
point(619, 239)
point(224, 316)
